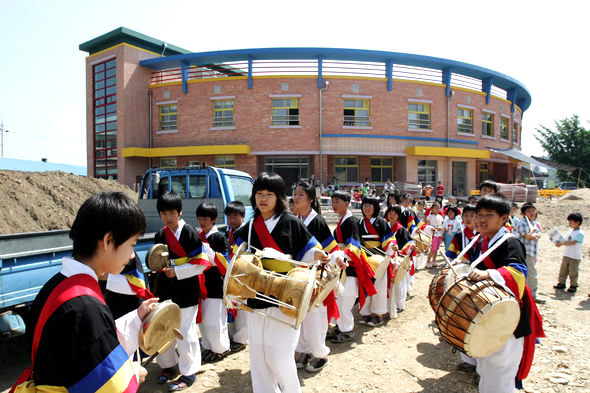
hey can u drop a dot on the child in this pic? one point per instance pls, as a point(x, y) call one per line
point(487, 187)
point(358, 274)
point(181, 284)
point(506, 266)
point(462, 238)
point(451, 225)
point(213, 327)
point(272, 343)
point(435, 220)
point(404, 246)
point(529, 233)
point(376, 236)
point(79, 346)
point(513, 220)
point(572, 253)
point(312, 340)
point(235, 212)
point(421, 210)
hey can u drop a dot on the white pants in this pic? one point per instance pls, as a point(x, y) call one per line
point(498, 371)
point(345, 303)
point(188, 357)
point(239, 329)
point(468, 359)
point(313, 333)
point(377, 304)
point(214, 335)
point(401, 291)
point(272, 353)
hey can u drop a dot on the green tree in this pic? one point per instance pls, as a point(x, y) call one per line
point(568, 144)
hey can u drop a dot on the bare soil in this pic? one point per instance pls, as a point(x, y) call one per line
point(405, 355)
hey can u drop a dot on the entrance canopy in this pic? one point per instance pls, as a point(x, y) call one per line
point(520, 156)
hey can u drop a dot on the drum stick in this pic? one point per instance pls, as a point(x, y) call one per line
point(467, 247)
point(447, 260)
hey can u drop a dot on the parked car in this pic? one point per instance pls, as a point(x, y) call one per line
point(567, 185)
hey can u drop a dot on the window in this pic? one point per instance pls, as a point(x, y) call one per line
point(487, 124)
point(515, 133)
point(178, 185)
point(225, 162)
point(346, 169)
point(484, 171)
point(419, 116)
point(356, 113)
point(168, 162)
point(427, 172)
point(223, 113)
point(168, 117)
point(381, 169)
point(504, 129)
point(197, 186)
point(465, 121)
point(242, 188)
point(285, 112)
point(105, 120)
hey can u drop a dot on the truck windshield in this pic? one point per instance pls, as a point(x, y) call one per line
point(242, 189)
point(179, 185)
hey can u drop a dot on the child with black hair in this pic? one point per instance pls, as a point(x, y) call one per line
point(503, 370)
point(403, 245)
point(435, 221)
point(376, 236)
point(235, 211)
point(181, 283)
point(513, 219)
point(358, 274)
point(487, 187)
point(529, 233)
point(572, 253)
point(463, 237)
point(213, 326)
point(271, 343)
point(451, 225)
point(77, 345)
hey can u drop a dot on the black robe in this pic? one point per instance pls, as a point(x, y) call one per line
point(186, 292)
point(120, 304)
point(380, 226)
point(350, 229)
point(213, 278)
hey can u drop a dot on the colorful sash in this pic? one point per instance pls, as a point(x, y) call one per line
point(487, 261)
point(136, 281)
point(371, 231)
point(264, 235)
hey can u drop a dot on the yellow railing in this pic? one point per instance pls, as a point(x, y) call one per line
point(548, 193)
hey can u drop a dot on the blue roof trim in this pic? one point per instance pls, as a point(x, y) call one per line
point(206, 58)
point(410, 138)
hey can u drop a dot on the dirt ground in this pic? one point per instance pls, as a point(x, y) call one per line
point(405, 355)
point(41, 201)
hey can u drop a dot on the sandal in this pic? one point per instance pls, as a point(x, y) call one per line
point(166, 375)
point(183, 382)
point(343, 337)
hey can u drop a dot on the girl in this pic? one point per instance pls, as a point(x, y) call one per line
point(375, 235)
point(435, 220)
point(451, 225)
point(404, 245)
point(312, 341)
point(272, 344)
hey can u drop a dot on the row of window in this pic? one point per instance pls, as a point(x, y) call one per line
point(105, 119)
point(285, 112)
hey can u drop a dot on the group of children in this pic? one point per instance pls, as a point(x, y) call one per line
point(73, 322)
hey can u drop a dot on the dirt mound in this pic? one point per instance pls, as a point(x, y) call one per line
point(576, 195)
point(40, 201)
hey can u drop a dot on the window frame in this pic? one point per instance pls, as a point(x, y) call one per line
point(461, 131)
point(172, 127)
point(274, 123)
point(353, 120)
point(172, 159)
point(504, 129)
point(226, 158)
point(346, 166)
point(381, 167)
point(487, 124)
point(515, 132)
point(104, 83)
point(224, 124)
point(420, 124)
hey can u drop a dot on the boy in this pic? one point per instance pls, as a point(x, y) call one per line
point(572, 253)
point(214, 335)
point(358, 274)
point(513, 220)
point(506, 266)
point(528, 232)
point(487, 187)
point(462, 239)
point(235, 212)
point(181, 284)
point(79, 347)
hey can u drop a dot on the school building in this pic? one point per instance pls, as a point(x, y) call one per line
point(314, 113)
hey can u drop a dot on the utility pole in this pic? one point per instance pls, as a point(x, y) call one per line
point(2, 131)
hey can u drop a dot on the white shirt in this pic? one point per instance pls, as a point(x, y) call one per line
point(453, 225)
point(574, 251)
point(435, 220)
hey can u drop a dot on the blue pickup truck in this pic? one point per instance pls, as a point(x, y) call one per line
point(28, 260)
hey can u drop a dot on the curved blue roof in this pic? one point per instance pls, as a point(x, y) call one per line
point(517, 92)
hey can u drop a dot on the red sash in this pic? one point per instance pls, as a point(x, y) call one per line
point(487, 261)
point(529, 341)
point(330, 303)
point(203, 237)
point(370, 228)
point(231, 236)
point(339, 238)
point(74, 286)
point(264, 235)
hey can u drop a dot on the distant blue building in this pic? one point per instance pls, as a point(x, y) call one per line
point(12, 164)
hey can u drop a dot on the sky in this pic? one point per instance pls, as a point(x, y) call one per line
point(542, 44)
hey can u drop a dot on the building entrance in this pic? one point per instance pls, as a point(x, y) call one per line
point(459, 178)
point(291, 169)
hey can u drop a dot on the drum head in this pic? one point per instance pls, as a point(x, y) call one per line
point(306, 297)
point(490, 329)
point(403, 268)
point(157, 330)
point(157, 257)
point(325, 290)
point(382, 268)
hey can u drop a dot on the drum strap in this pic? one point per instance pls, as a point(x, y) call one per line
point(72, 287)
point(486, 252)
